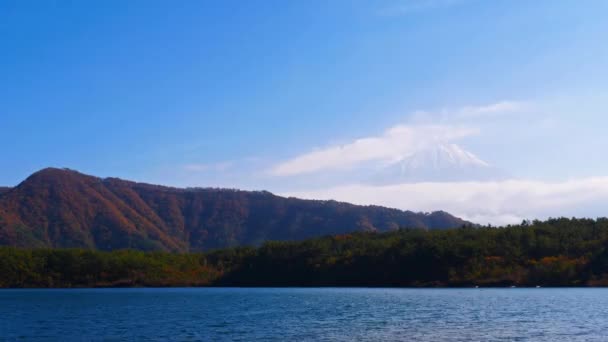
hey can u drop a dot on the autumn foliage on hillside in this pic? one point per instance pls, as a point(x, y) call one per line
point(65, 209)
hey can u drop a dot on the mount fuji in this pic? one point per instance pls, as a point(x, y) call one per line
point(438, 163)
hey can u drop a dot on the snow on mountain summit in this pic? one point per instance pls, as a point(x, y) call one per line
point(442, 156)
point(441, 162)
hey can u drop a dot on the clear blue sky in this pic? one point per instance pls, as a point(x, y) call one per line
point(224, 92)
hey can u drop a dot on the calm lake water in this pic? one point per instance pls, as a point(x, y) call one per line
point(330, 314)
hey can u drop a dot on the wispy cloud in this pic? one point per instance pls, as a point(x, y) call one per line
point(472, 113)
point(492, 110)
point(500, 202)
point(396, 142)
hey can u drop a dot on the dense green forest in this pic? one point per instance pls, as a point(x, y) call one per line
point(557, 252)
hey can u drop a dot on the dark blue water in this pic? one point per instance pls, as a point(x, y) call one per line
point(219, 314)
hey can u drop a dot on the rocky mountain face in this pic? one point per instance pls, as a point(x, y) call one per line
point(64, 208)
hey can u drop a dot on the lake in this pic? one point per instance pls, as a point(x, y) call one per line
point(304, 314)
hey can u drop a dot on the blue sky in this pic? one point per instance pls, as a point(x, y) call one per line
point(233, 93)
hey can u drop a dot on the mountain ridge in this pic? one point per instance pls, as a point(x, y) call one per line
point(65, 208)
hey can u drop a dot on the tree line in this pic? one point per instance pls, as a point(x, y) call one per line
point(556, 252)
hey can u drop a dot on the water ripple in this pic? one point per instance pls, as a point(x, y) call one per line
point(333, 314)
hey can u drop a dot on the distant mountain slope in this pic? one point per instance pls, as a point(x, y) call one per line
point(64, 208)
point(4, 189)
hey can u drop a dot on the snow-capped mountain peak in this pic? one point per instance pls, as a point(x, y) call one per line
point(442, 156)
point(441, 162)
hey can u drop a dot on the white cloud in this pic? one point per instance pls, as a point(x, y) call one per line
point(498, 203)
point(499, 108)
point(471, 113)
point(396, 142)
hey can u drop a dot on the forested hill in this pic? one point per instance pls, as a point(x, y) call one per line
point(558, 252)
point(63, 208)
